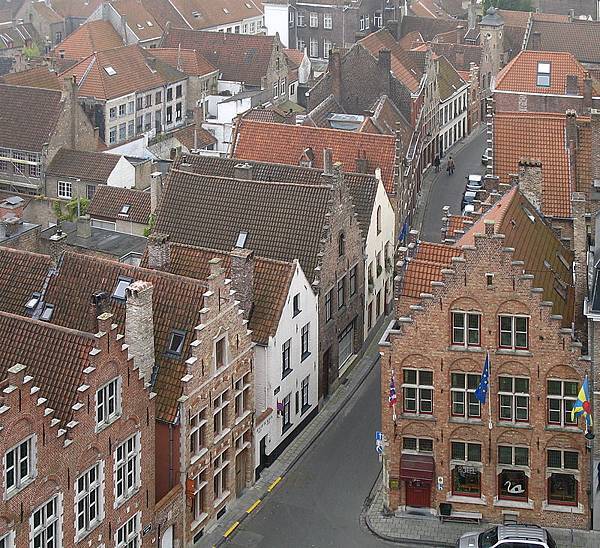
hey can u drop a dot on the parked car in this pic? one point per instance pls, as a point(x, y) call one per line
point(485, 157)
point(468, 198)
point(508, 536)
point(474, 182)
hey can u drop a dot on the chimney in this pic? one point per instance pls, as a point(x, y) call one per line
point(70, 98)
point(84, 230)
point(12, 207)
point(11, 225)
point(159, 251)
point(335, 70)
point(243, 171)
point(536, 41)
point(361, 162)
point(139, 327)
point(595, 145)
point(327, 161)
point(571, 129)
point(472, 14)
point(571, 15)
point(459, 57)
point(587, 91)
point(100, 304)
point(242, 277)
point(530, 180)
point(151, 62)
point(392, 26)
point(155, 190)
point(460, 34)
point(572, 85)
point(385, 60)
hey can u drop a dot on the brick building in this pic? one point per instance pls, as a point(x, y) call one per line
point(504, 288)
point(77, 441)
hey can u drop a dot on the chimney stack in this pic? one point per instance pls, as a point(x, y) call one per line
point(159, 251)
point(587, 91)
point(155, 190)
point(335, 70)
point(70, 98)
point(327, 161)
point(242, 277)
point(572, 85)
point(84, 230)
point(243, 171)
point(530, 180)
point(392, 26)
point(595, 122)
point(385, 60)
point(361, 162)
point(139, 327)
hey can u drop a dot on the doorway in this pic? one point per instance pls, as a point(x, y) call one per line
point(418, 494)
point(167, 539)
point(262, 456)
point(240, 473)
point(324, 385)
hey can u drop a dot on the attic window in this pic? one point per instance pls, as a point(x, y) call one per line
point(149, 23)
point(530, 215)
point(176, 343)
point(110, 71)
point(543, 74)
point(122, 285)
point(248, 6)
point(241, 239)
point(196, 14)
point(225, 10)
point(139, 26)
point(125, 209)
point(47, 313)
point(33, 301)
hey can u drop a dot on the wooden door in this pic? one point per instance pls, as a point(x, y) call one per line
point(418, 494)
point(240, 473)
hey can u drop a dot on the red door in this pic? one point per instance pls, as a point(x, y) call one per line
point(418, 494)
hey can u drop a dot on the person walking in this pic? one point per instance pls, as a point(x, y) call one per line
point(450, 166)
point(436, 163)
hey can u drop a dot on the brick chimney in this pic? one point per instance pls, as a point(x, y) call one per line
point(361, 162)
point(84, 230)
point(12, 207)
point(572, 85)
point(139, 327)
point(459, 57)
point(595, 117)
point(242, 278)
point(530, 180)
point(571, 127)
point(385, 60)
point(393, 27)
point(70, 98)
point(472, 14)
point(159, 251)
point(335, 70)
point(587, 92)
point(155, 190)
point(327, 161)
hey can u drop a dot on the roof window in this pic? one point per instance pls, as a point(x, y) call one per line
point(241, 239)
point(543, 74)
point(125, 209)
point(225, 10)
point(149, 23)
point(530, 215)
point(176, 343)
point(110, 71)
point(33, 301)
point(47, 313)
point(122, 284)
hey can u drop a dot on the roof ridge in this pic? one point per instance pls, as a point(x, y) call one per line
point(220, 252)
point(23, 252)
point(49, 325)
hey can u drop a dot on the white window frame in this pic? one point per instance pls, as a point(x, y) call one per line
point(418, 448)
point(543, 72)
point(47, 522)
point(110, 416)
point(565, 415)
point(313, 48)
point(220, 404)
point(327, 45)
point(129, 465)
point(20, 481)
point(7, 540)
point(513, 332)
point(197, 434)
point(241, 396)
point(304, 394)
point(419, 392)
point(467, 394)
point(64, 189)
point(305, 342)
point(131, 533)
point(313, 20)
point(84, 495)
point(328, 21)
point(220, 477)
point(199, 503)
point(465, 329)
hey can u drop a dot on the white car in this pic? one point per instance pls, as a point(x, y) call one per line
point(508, 536)
point(474, 182)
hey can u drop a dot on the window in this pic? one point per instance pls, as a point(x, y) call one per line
point(285, 413)
point(128, 536)
point(19, 466)
point(417, 391)
point(513, 332)
point(131, 128)
point(562, 486)
point(314, 48)
point(47, 312)
point(130, 107)
point(543, 74)
point(341, 292)
point(304, 339)
point(65, 189)
point(178, 114)
point(341, 244)
point(328, 305)
point(139, 103)
point(220, 477)
point(112, 135)
point(158, 98)
point(176, 343)
point(220, 353)
point(169, 115)
point(378, 219)
point(199, 507)
point(327, 21)
point(242, 398)
point(466, 479)
point(464, 402)
point(282, 86)
point(286, 367)
point(44, 525)
point(362, 22)
point(513, 394)
point(314, 20)
point(108, 404)
point(34, 170)
point(275, 89)
point(379, 265)
point(197, 433)
point(561, 396)
point(6, 541)
point(327, 45)
point(300, 23)
point(122, 109)
point(122, 132)
point(377, 20)
point(169, 94)
point(466, 329)
point(220, 404)
point(122, 284)
point(88, 500)
point(139, 124)
point(147, 121)
point(418, 445)
point(178, 91)
point(353, 271)
point(296, 304)
point(301, 45)
point(513, 484)
point(112, 113)
point(304, 393)
point(513, 455)
point(346, 344)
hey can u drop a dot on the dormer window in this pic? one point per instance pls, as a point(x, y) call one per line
point(125, 209)
point(47, 313)
point(32, 303)
point(176, 343)
point(543, 74)
point(122, 285)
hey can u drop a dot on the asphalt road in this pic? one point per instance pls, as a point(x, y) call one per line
point(448, 189)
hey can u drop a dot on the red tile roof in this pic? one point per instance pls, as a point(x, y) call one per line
point(139, 18)
point(520, 75)
point(75, 8)
point(204, 14)
point(418, 277)
point(285, 144)
point(108, 202)
point(192, 138)
point(37, 77)
point(189, 61)
point(90, 37)
point(538, 136)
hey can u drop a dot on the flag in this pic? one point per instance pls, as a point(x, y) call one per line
point(393, 398)
point(482, 389)
point(583, 406)
point(403, 232)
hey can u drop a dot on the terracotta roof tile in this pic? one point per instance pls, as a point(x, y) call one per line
point(140, 18)
point(108, 202)
point(285, 144)
point(201, 139)
point(188, 61)
point(418, 277)
point(539, 136)
point(90, 37)
point(75, 8)
point(92, 166)
point(294, 56)
point(36, 77)
point(204, 14)
point(436, 253)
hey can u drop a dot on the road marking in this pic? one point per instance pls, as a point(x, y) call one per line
point(231, 529)
point(253, 507)
point(272, 486)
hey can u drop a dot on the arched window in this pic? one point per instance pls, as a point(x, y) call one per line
point(378, 219)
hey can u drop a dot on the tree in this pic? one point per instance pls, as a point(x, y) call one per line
point(517, 5)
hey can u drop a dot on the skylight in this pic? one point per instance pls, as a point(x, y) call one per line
point(33, 301)
point(149, 23)
point(110, 71)
point(543, 74)
point(125, 209)
point(47, 313)
point(176, 342)
point(241, 239)
point(122, 285)
point(226, 10)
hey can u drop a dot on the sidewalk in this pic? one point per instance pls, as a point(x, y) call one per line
point(429, 531)
point(242, 507)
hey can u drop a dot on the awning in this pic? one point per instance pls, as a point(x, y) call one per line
point(417, 467)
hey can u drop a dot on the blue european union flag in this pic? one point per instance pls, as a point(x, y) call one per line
point(484, 382)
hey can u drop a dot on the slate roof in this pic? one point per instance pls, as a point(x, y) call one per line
point(460, 56)
point(520, 75)
point(46, 12)
point(317, 117)
point(285, 144)
point(109, 200)
point(270, 285)
point(90, 166)
point(165, 12)
point(75, 8)
point(29, 116)
point(204, 14)
point(449, 81)
point(36, 77)
point(139, 18)
point(90, 37)
point(188, 61)
point(539, 136)
point(239, 57)
point(581, 38)
point(516, 18)
point(429, 27)
point(54, 356)
point(283, 221)
point(388, 119)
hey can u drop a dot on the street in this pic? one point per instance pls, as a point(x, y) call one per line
point(319, 502)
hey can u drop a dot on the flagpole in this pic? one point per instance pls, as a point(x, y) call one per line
point(490, 425)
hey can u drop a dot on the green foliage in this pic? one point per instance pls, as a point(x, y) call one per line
point(517, 5)
point(32, 51)
point(151, 224)
point(71, 209)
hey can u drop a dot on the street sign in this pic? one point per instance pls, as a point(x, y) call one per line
point(378, 436)
point(379, 449)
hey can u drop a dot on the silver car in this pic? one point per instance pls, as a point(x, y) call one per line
point(508, 536)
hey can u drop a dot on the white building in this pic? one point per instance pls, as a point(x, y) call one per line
point(453, 106)
point(278, 17)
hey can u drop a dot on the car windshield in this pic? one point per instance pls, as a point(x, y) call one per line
point(488, 538)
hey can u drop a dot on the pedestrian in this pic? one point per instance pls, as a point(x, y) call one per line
point(436, 163)
point(450, 165)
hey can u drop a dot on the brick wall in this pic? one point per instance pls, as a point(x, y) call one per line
point(515, 102)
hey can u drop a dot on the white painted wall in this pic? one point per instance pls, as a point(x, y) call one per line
point(268, 365)
point(220, 122)
point(123, 175)
point(376, 243)
point(304, 69)
point(277, 21)
point(448, 136)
